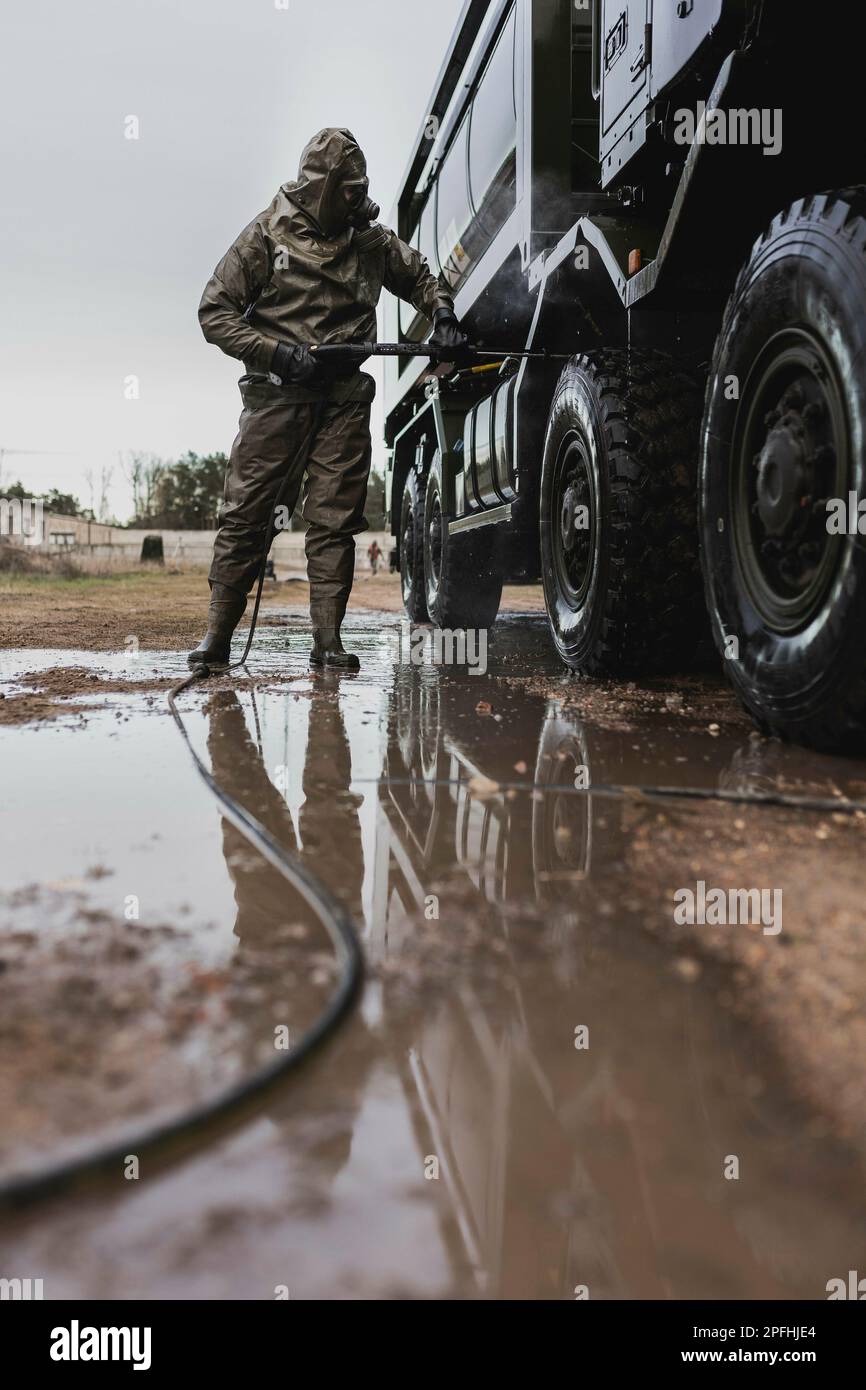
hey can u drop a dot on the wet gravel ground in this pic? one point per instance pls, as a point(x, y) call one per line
point(551, 1081)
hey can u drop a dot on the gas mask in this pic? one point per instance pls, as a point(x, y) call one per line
point(362, 209)
point(332, 187)
point(362, 214)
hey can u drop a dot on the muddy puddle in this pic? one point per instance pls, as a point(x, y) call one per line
point(550, 1085)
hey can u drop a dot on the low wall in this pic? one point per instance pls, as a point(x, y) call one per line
point(73, 535)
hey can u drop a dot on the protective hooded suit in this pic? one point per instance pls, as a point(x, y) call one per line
point(307, 270)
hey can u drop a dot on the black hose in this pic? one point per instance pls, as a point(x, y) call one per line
point(643, 792)
point(297, 466)
point(337, 921)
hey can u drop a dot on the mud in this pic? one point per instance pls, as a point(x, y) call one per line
point(163, 610)
point(104, 1023)
point(549, 1080)
point(39, 696)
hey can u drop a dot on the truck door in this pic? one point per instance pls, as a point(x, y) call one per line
point(624, 64)
point(679, 29)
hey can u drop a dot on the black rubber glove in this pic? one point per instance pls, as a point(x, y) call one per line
point(295, 365)
point(449, 338)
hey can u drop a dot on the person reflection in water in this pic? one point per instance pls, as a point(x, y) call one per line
point(318, 1114)
point(328, 820)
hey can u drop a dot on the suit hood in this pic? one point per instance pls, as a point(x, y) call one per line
point(330, 158)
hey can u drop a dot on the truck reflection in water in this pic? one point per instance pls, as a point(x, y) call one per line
point(575, 1094)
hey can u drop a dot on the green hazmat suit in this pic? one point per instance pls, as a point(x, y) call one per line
point(300, 274)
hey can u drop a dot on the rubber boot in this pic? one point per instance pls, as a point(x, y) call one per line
point(328, 651)
point(225, 612)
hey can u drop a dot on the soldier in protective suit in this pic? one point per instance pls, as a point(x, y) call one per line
point(308, 270)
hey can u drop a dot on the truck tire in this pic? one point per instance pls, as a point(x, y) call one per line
point(619, 547)
point(462, 586)
point(562, 821)
point(412, 548)
point(787, 599)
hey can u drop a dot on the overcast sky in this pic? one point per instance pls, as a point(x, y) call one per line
point(106, 243)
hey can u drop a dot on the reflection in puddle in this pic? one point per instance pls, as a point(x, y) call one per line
point(544, 1087)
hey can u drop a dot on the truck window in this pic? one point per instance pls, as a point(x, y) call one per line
point(416, 326)
point(426, 242)
point(454, 214)
point(493, 137)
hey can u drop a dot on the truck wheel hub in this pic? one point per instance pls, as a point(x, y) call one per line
point(567, 515)
point(784, 478)
point(791, 449)
point(572, 520)
point(434, 538)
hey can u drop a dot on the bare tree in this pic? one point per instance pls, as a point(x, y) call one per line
point(105, 476)
point(91, 488)
point(153, 470)
point(132, 466)
point(142, 471)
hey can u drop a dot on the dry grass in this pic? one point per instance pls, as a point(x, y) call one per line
point(163, 608)
point(65, 564)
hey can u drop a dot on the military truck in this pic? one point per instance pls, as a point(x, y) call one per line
point(667, 193)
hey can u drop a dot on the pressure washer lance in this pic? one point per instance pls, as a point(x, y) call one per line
point(354, 354)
